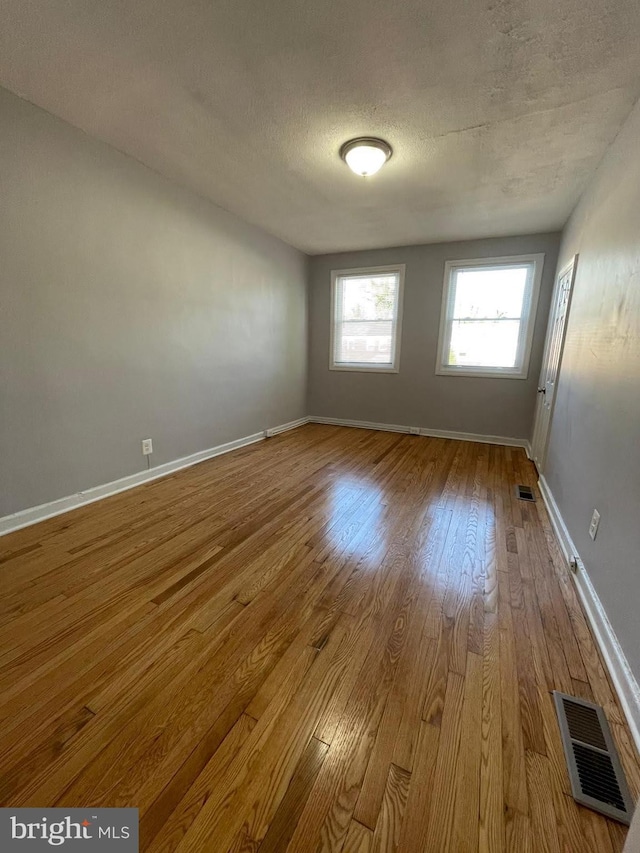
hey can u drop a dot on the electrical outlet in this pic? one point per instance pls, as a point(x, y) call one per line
point(414, 430)
point(595, 521)
point(147, 446)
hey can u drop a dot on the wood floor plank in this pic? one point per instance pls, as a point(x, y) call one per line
point(334, 640)
point(491, 830)
point(443, 803)
point(465, 834)
point(359, 839)
point(206, 803)
point(543, 814)
point(386, 837)
point(399, 727)
point(513, 756)
point(595, 832)
point(414, 832)
point(155, 818)
point(530, 715)
point(284, 821)
point(333, 799)
point(519, 837)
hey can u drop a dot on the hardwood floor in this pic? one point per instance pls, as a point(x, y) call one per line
point(337, 640)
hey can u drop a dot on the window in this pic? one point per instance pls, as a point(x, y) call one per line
point(488, 312)
point(366, 310)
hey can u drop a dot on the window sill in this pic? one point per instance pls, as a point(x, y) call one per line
point(361, 369)
point(480, 374)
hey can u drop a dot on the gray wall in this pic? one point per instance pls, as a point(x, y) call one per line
point(594, 449)
point(129, 308)
point(416, 396)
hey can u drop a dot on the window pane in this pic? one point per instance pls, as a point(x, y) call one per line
point(365, 312)
point(484, 343)
point(366, 341)
point(489, 293)
point(368, 297)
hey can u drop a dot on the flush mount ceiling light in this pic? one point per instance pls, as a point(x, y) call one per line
point(365, 155)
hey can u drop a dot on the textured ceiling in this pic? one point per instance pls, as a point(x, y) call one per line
point(498, 110)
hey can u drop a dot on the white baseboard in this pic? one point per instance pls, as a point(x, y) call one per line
point(33, 515)
point(433, 433)
point(478, 437)
point(269, 433)
point(359, 424)
point(557, 521)
point(615, 660)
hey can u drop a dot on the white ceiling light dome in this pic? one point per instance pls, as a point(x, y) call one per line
point(365, 155)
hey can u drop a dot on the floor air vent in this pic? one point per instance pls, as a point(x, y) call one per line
point(597, 779)
point(524, 493)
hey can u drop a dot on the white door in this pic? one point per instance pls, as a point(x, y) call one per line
point(551, 362)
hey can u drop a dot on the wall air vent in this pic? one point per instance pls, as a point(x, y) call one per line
point(525, 493)
point(597, 779)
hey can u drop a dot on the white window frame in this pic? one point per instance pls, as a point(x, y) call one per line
point(361, 367)
point(528, 318)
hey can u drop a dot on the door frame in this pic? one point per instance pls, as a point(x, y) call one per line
point(570, 267)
